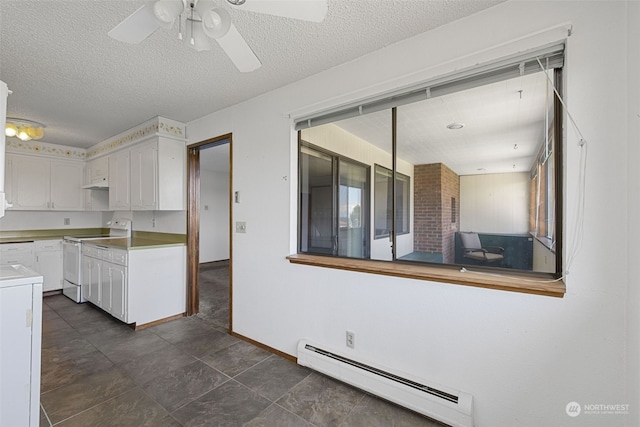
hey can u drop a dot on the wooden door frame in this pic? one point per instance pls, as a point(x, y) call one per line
point(193, 223)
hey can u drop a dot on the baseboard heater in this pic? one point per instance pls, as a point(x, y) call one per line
point(440, 403)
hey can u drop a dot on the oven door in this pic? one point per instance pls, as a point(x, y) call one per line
point(71, 260)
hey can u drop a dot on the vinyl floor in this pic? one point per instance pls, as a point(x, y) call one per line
point(97, 371)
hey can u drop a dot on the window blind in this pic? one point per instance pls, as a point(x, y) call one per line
point(527, 63)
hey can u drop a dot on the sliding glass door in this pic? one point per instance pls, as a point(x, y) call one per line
point(334, 200)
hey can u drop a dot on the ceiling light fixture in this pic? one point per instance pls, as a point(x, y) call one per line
point(455, 126)
point(24, 129)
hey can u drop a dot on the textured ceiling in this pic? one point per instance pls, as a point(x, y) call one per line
point(504, 127)
point(66, 72)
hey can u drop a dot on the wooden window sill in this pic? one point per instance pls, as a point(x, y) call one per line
point(513, 282)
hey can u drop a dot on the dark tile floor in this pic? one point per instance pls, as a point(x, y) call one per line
point(188, 372)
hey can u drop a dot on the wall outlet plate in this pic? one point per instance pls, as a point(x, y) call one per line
point(350, 339)
point(241, 227)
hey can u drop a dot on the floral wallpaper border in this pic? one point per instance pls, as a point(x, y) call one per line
point(45, 149)
point(158, 125)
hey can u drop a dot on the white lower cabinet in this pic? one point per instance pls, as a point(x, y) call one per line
point(91, 272)
point(104, 276)
point(49, 263)
point(114, 284)
point(43, 256)
point(138, 285)
point(18, 253)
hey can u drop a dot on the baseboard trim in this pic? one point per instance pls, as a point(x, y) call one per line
point(265, 347)
point(157, 322)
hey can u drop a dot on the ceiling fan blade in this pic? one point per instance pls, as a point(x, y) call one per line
point(239, 51)
point(137, 26)
point(305, 10)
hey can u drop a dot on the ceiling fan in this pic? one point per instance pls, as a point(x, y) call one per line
point(203, 20)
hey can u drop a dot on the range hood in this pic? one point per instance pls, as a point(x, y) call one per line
point(100, 185)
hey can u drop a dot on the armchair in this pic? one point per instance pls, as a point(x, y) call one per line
point(473, 249)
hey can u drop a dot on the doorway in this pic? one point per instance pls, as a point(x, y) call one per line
point(209, 238)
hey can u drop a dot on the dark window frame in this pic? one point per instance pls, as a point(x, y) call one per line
point(406, 228)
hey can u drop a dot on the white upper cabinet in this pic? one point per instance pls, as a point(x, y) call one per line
point(96, 181)
point(119, 181)
point(30, 189)
point(66, 185)
point(38, 183)
point(144, 176)
point(97, 172)
point(158, 175)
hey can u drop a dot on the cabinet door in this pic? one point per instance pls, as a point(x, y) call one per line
point(118, 286)
point(66, 185)
point(144, 177)
point(99, 170)
point(91, 279)
point(49, 264)
point(105, 288)
point(119, 191)
point(30, 183)
point(8, 178)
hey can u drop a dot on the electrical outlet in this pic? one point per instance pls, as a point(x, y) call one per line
point(351, 339)
point(67, 221)
point(241, 227)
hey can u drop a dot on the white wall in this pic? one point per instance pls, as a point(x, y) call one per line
point(157, 221)
point(633, 213)
point(495, 203)
point(214, 215)
point(39, 220)
point(522, 357)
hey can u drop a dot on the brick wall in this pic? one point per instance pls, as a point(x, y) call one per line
point(434, 187)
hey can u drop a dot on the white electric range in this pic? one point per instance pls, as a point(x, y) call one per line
point(72, 256)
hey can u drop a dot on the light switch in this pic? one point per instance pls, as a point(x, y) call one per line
point(241, 227)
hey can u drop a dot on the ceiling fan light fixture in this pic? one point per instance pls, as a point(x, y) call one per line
point(216, 23)
point(10, 129)
point(24, 129)
point(166, 11)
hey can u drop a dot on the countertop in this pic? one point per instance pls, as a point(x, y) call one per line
point(138, 240)
point(17, 275)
